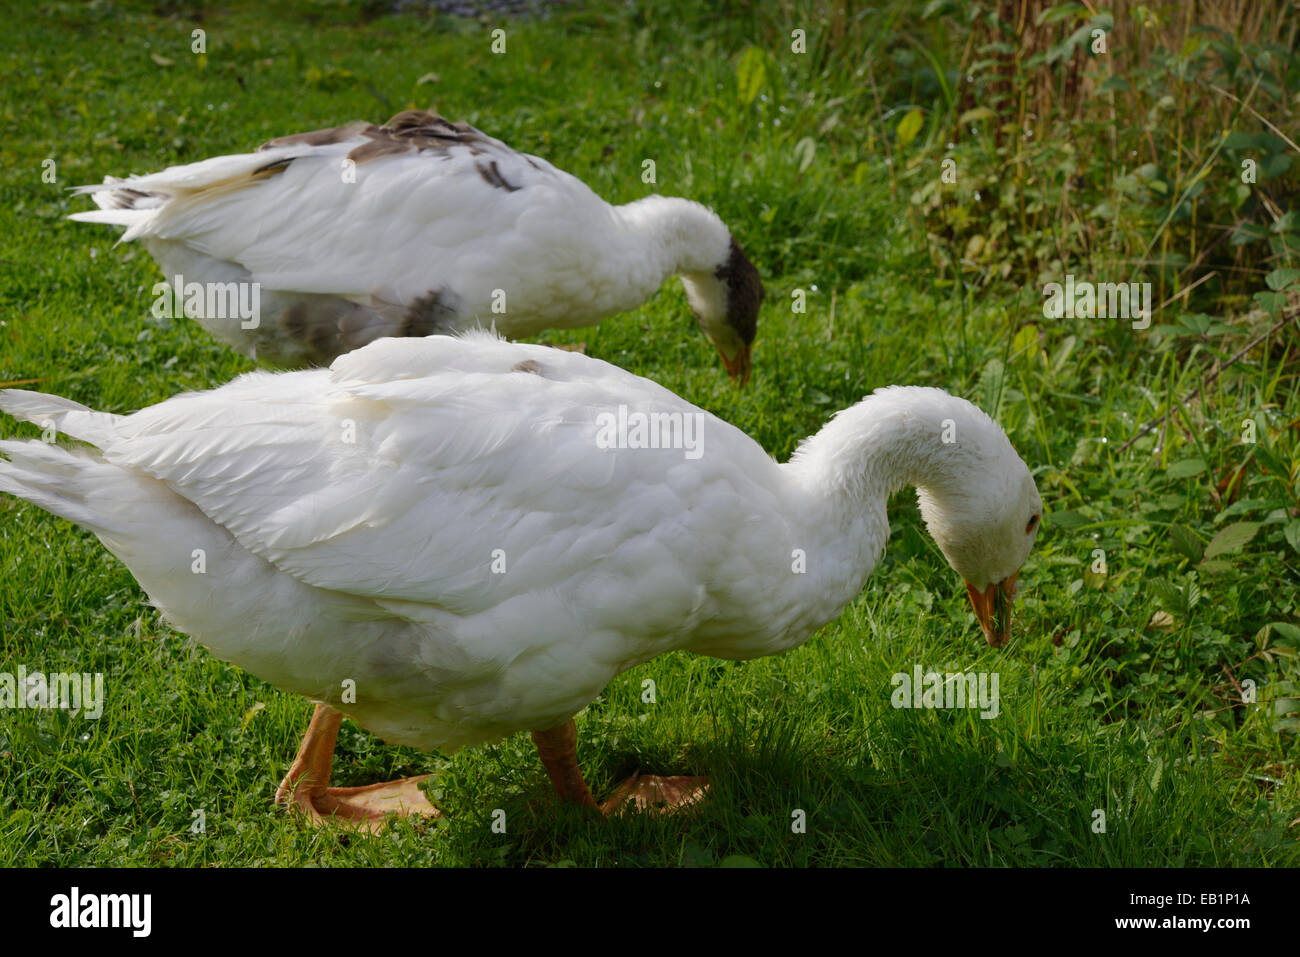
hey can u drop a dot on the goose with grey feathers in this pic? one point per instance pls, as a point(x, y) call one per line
point(417, 227)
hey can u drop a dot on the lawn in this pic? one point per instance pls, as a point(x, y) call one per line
point(1150, 695)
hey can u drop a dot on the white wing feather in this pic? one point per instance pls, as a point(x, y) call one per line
point(399, 473)
point(409, 222)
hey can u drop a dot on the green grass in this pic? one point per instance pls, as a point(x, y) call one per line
point(1116, 690)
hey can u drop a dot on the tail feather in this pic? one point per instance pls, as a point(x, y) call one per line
point(114, 217)
point(116, 193)
point(57, 479)
point(139, 202)
point(64, 415)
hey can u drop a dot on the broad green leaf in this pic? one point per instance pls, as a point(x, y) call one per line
point(1271, 301)
point(1247, 233)
point(1231, 538)
point(738, 860)
point(1274, 166)
point(991, 387)
point(1186, 468)
point(1069, 518)
point(1242, 140)
point(1287, 630)
point(1292, 533)
point(750, 73)
point(1214, 566)
point(908, 127)
point(1279, 279)
point(1246, 506)
point(1026, 341)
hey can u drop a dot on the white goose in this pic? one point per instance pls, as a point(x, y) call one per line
point(450, 524)
point(416, 227)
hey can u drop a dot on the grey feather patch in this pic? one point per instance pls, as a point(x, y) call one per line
point(430, 314)
point(337, 134)
point(407, 132)
point(493, 177)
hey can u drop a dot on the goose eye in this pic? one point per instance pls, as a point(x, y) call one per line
point(1033, 524)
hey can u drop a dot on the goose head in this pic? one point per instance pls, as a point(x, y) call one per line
point(984, 512)
point(725, 301)
point(986, 535)
point(722, 286)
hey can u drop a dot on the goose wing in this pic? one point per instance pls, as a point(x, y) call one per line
point(413, 469)
point(388, 212)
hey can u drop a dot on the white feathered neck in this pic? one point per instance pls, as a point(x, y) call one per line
point(973, 489)
point(901, 436)
point(678, 235)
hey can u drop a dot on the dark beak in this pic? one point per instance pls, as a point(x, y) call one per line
point(993, 609)
point(738, 368)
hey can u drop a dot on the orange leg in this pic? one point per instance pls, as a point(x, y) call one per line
point(306, 786)
point(558, 749)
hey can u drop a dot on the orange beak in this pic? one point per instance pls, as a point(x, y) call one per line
point(737, 368)
point(993, 609)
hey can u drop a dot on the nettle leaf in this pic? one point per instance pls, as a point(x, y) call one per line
point(1168, 596)
point(1279, 279)
point(1212, 566)
point(751, 71)
point(1232, 538)
point(908, 127)
point(1186, 542)
point(1246, 505)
